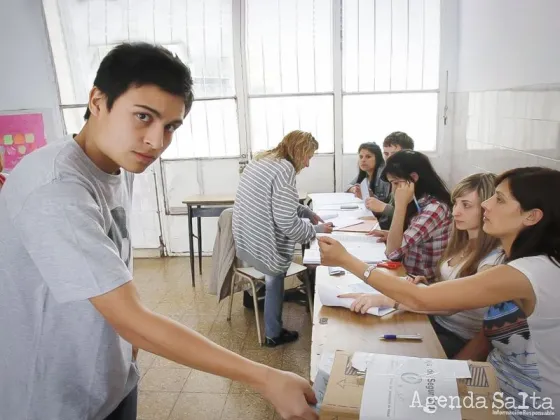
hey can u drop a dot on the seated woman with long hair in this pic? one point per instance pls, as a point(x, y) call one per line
point(370, 164)
point(470, 250)
point(522, 325)
point(421, 222)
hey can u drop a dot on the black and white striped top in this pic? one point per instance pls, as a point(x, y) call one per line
point(267, 216)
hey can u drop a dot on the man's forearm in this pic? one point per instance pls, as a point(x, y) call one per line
point(174, 341)
point(388, 211)
point(395, 237)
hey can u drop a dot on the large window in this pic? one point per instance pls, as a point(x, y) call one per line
point(274, 69)
point(390, 70)
point(200, 32)
point(289, 54)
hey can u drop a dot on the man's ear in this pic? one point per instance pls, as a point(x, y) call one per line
point(414, 176)
point(97, 101)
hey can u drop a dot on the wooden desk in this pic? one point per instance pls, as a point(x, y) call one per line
point(200, 206)
point(340, 329)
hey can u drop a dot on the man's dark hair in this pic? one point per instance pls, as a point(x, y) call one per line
point(399, 138)
point(140, 64)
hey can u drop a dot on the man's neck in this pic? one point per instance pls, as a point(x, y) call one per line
point(86, 140)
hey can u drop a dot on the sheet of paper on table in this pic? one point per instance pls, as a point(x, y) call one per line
point(329, 295)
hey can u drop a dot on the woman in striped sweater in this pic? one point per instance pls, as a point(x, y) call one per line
point(267, 222)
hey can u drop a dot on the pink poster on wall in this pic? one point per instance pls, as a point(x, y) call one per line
point(20, 134)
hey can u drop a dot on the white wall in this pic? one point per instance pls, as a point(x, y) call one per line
point(27, 78)
point(506, 108)
point(507, 44)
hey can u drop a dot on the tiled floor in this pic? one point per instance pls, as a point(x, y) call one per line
point(171, 391)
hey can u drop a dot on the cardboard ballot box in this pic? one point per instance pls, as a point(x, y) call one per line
point(399, 387)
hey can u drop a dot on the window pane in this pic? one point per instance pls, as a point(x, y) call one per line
point(74, 119)
point(373, 117)
point(210, 130)
point(272, 118)
point(199, 32)
point(289, 46)
point(390, 45)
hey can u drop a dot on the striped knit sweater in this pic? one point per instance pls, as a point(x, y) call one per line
point(267, 216)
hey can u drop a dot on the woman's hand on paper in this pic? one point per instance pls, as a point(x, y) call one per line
point(381, 234)
point(333, 253)
point(356, 190)
point(417, 279)
point(324, 228)
point(364, 301)
point(315, 218)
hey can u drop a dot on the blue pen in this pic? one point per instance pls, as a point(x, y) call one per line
point(417, 205)
point(401, 337)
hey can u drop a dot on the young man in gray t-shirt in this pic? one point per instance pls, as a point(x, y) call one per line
point(69, 313)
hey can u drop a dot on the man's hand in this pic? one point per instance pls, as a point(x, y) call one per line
point(375, 204)
point(290, 395)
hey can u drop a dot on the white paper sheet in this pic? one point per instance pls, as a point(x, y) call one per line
point(322, 378)
point(321, 199)
point(365, 248)
point(329, 296)
point(392, 381)
point(344, 222)
point(327, 215)
point(364, 188)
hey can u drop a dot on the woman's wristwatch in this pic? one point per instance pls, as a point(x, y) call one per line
point(368, 271)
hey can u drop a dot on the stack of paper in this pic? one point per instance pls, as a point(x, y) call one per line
point(321, 199)
point(365, 248)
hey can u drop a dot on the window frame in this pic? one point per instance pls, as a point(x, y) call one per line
point(242, 94)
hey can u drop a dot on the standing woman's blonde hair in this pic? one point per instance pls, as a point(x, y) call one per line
point(296, 147)
point(484, 185)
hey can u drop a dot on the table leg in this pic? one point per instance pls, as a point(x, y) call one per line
point(199, 235)
point(191, 243)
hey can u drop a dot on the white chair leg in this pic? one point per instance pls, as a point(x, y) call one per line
point(256, 304)
point(233, 277)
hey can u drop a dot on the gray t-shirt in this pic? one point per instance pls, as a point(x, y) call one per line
point(64, 238)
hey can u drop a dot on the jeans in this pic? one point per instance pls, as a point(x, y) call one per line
point(451, 342)
point(273, 303)
point(126, 410)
